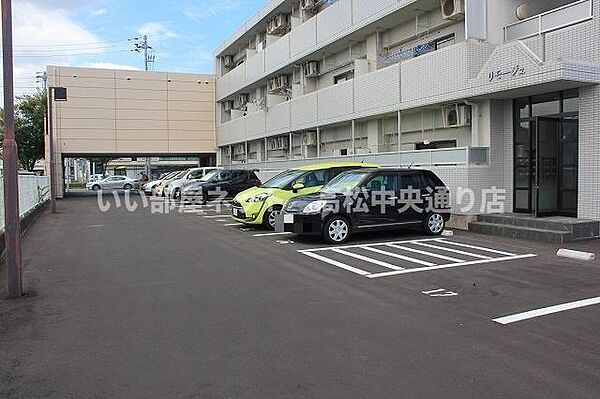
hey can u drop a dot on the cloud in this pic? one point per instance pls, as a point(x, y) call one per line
point(157, 31)
point(110, 65)
point(44, 36)
point(98, 12)
point(208, 9)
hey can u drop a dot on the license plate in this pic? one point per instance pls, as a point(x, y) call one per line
point(288, 219)
point(236, 212)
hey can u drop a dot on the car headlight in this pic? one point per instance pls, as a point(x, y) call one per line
point(259, 198)
point(315, 207)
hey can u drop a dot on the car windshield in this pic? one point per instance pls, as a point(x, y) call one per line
point(344, 183)
point(284, 179)
point(209, 176)
point(169, 175)
point(180, 175)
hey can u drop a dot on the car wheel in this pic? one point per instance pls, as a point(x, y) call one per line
point(96, 187)
point(203, 198)
point(270, 218)
point(127, 187)
point(434, 224)
point(336, 230)
point(176, 193)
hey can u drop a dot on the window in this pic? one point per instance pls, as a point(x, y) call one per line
point(382, 182)
point(343, 77)
point(316, 178)
point(433, 145)
point(196, 174)
point(415, 180)
point(445, 41)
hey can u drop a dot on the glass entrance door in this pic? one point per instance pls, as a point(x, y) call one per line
point(546, 179)
point(546, 154)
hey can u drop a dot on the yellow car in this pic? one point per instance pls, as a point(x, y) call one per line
point(261, 205)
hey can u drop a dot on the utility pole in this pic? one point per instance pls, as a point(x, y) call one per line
point(140, 44)
point(12, 229)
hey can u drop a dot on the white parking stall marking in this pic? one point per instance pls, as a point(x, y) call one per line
point(460, 244)
point(233, 224)
point(216, 216)
point(426, 253)
point(336, 263)
point(548, 310)
point(455, 251)
point(271, 234)
point(450, 265)
point(407, 263)
point(398, 256)
point(367, 259)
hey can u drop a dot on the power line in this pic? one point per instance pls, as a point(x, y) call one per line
point(72, 44)
point(71, 54)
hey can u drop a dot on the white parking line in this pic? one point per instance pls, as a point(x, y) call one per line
point(460, 244)
point(406, 267)
point(367, 259)
point(450, 265)
point(546, 311)
point(271, 234)
point(455, 251)
point(398, 256)
point(233, 224)
point(426, 253)
point(215, 216)
point(336, 263)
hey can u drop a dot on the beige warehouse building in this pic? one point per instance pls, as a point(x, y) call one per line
point(131, 113)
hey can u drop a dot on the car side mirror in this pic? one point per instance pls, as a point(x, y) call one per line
point(297, 187)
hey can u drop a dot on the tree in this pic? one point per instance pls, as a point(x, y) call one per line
point(29, 128)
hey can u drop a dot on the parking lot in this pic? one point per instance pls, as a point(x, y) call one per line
point(187, 303)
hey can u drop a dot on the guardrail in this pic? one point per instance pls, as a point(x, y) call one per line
point(459, 156)
point(548, 21)
point(33, 191)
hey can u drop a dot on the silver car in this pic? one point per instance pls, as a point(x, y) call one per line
point(112, 183)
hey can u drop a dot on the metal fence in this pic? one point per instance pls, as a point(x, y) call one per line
point(33, 191)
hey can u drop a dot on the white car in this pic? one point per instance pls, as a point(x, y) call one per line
point(151, 185)
point(193, 175)
point(112, 183)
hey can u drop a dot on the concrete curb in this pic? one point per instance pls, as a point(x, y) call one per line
point(26, 221)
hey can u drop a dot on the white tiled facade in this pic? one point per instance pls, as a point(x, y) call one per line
point(371, 100)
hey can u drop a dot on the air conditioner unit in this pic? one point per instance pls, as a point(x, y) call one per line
point(278, 25)
point(227, 105)
point(241, 100)
point(311, 69)
point(278, 143)
point(228, 61)
point(453, 10)
point(277, 84)
point(456, 115)
point(309, 139)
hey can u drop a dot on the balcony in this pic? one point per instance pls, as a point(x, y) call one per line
point(336, 21)
point(461, 156)
point(549, 21)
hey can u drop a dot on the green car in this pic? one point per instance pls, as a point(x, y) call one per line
point(260, 205)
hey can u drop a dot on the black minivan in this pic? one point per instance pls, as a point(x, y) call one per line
point(371, 200)
point(219, 184)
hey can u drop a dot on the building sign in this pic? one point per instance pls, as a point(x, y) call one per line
point(502, 74)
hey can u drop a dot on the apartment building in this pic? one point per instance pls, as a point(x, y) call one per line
point(487, 93)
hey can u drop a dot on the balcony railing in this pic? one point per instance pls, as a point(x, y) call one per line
point(557, 18)
point(460, 156)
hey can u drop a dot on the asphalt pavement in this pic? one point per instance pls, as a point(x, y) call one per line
point(143, 304)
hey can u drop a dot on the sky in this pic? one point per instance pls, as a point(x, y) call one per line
point(95, 33)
